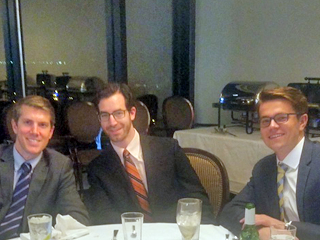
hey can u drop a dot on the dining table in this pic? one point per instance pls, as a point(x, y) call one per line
point(154, 231)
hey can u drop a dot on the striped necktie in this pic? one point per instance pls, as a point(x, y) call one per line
point(282, 168)
point(137, 184)
point(9, 227)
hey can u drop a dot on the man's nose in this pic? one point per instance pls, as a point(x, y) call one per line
point(273, 123)
point(35, 129)
point(112, 120)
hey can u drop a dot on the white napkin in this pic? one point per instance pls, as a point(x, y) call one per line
point(66, 228)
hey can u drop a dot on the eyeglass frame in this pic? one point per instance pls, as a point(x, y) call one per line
point(274, 118)
point(113, 114)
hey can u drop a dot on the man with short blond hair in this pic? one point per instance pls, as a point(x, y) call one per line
point(34, 179)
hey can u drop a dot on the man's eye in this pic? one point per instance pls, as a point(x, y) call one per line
point(281, 118)
point(27, 122)
point(104, 115)
point(43, 125)
point(118, 113)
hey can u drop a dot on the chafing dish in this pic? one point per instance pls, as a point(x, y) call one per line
point(242, 96)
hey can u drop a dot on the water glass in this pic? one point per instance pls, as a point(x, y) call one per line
point(40, 226)
point(189, 217)
point(132, 225)
point(283, 232)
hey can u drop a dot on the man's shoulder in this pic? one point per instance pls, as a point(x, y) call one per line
point(54, 153)
point(4, 148)
point(155, 140)
point(265, 162)
point(55, 157)
point(103, 159)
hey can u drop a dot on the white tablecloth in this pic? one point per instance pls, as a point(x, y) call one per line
point(155, 231)
point(238, 153)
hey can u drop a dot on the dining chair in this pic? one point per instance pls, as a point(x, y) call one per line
point(177, 113)
point(142, 120)
point(84, 126)
point(151, 101)
point(6, 118)
point(213, 176)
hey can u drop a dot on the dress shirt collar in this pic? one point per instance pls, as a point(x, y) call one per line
point(19, 160)
point(133, 147)
point(293, 158)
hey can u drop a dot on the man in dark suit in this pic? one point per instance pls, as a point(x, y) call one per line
point(48, 185)
point(165, 173)
point(283, 118)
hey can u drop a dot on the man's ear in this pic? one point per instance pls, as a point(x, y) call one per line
point(132, 113)
point(303, 121)
point(14, 126)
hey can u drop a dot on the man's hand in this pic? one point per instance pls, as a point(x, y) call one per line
point(263, 220)
point(264, 233)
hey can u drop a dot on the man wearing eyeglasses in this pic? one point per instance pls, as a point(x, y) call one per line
point(137, 173)
point(285, 186)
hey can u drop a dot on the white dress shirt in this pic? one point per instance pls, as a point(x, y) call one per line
point(134, 147)
point(292, 160)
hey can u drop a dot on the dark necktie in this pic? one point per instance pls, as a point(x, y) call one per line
point(137, 184)
point(10, 224)
point(282, 168)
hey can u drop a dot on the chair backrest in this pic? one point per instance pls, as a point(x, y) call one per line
point(142, 120)
point(8, 116)
point(177, 113)
point(151, 101)
point(213, 176)
point(83, 121)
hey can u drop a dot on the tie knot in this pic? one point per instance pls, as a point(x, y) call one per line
point(26, 167)
point(282, 167)
point(126, 153)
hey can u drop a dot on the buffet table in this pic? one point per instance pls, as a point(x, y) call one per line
point(238, 151)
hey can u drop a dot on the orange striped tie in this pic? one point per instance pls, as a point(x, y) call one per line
point(137, 184)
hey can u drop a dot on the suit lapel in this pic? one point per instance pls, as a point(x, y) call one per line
point(149, 164)
point(303, 173)
point(38, 179)
point(274, 207)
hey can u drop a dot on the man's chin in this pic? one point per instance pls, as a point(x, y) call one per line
point(116, 139)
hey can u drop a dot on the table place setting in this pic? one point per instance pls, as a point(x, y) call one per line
point(66, 227)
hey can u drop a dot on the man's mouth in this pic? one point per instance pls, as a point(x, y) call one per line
point(276, 135)
point(33, 140)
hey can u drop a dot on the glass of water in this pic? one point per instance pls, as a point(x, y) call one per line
point(189, 217)
point(40, 226)
point(283, 232)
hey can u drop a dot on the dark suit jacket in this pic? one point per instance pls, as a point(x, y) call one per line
point(52, 189)
point(262, 191)
point(169, 176)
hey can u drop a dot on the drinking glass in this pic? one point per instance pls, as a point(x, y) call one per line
point(189, 217)
point(283, 232)
point(40, 226)
point(132, 225)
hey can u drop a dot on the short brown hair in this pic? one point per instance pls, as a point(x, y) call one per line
point(113, 88)
point(36, 102)
point(293, 95)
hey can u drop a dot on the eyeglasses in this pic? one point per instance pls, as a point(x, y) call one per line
point(279, 119)
point(105, 116)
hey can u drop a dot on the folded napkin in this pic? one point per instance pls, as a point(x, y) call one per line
point(66, 228)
